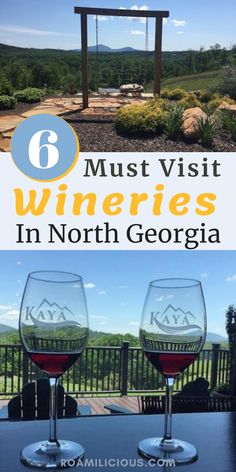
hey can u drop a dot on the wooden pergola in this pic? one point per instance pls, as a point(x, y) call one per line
point(84, 12)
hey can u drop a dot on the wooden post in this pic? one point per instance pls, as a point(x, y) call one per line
point(214, 364)
point(124, 368)
point(84, 51)
point(157, 64)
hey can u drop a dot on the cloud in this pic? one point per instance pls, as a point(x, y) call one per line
point(5, 307)
point(142, 8)
point(231, 278)
point(134, 323)
point(101, 292)
point(32, 32)
point(163, 297)
point(137, 33)
point(135, 8)
point(89, 285)
point(101, 18)
point(10, 318)
point(204, 275)
point(13, 312)
point(98, 317)
point(180, 32)
point(179, 23)
point(18, 262)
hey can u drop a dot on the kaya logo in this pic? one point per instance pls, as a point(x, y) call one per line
point(50, 315)
point(174, 320)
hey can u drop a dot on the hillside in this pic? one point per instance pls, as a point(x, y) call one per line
point(99, 338)
point(6, 329)
point(192, 82)
point(60, 70)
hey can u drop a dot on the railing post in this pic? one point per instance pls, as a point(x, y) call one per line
point(214, 364)
point(25, 367)
point(233, 375)
point(124, 368)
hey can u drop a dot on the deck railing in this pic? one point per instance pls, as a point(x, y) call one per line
point(107, 369)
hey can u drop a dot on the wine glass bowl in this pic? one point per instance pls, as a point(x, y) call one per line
point(54, 331)
point(172, 334)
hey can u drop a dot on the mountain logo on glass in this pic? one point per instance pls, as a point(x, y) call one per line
point(50, 315)
point(174, 320)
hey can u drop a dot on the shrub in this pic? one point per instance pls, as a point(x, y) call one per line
point(139, 120)
point(228, 123)
point(206, 97)
point(173, 121)
point(69, 84)
point(156, 102)
point(6, 102)
point(5, 87)
point(190, 101)
point(29, 95)
point(175, 94)
point(212, 105)
point(206, 128)
point(165, 93)
point(226, 84)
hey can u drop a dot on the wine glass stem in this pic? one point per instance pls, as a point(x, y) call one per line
point(53, 410)
point(168, 410)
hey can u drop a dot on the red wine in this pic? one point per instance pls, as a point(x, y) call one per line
point(54, 364)
point(170, 364)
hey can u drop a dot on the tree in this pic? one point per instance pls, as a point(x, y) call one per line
point(226, 84)
point(5, 86)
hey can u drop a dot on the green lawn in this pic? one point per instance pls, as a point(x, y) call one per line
point(192, 82)
point(202, 81)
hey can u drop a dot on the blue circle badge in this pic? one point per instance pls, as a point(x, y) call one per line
point(45, 147)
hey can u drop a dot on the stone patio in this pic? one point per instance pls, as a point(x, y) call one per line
point(61, 107)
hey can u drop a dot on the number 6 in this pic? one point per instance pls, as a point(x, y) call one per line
point(35, 149)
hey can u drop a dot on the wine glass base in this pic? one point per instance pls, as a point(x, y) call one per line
point(46, 456)
point(181, 452)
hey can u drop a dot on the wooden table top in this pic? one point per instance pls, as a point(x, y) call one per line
point(116, 438)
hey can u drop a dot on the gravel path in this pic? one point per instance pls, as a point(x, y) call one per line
point(100, 136)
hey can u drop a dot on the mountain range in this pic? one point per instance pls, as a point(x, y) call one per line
point(5, 329)
point(211, 337)
point(104, 48)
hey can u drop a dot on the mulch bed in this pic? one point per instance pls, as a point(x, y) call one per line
point(99, 135)
point(19, 109)
point(23, 107)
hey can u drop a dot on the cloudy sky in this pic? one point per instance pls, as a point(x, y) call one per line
point(116, 281)
point(43, 23)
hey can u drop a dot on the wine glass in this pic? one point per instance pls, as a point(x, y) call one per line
point(54, 331)
point(172, 334)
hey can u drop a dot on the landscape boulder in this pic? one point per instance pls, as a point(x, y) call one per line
point(190, 120)
point(225, 106)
